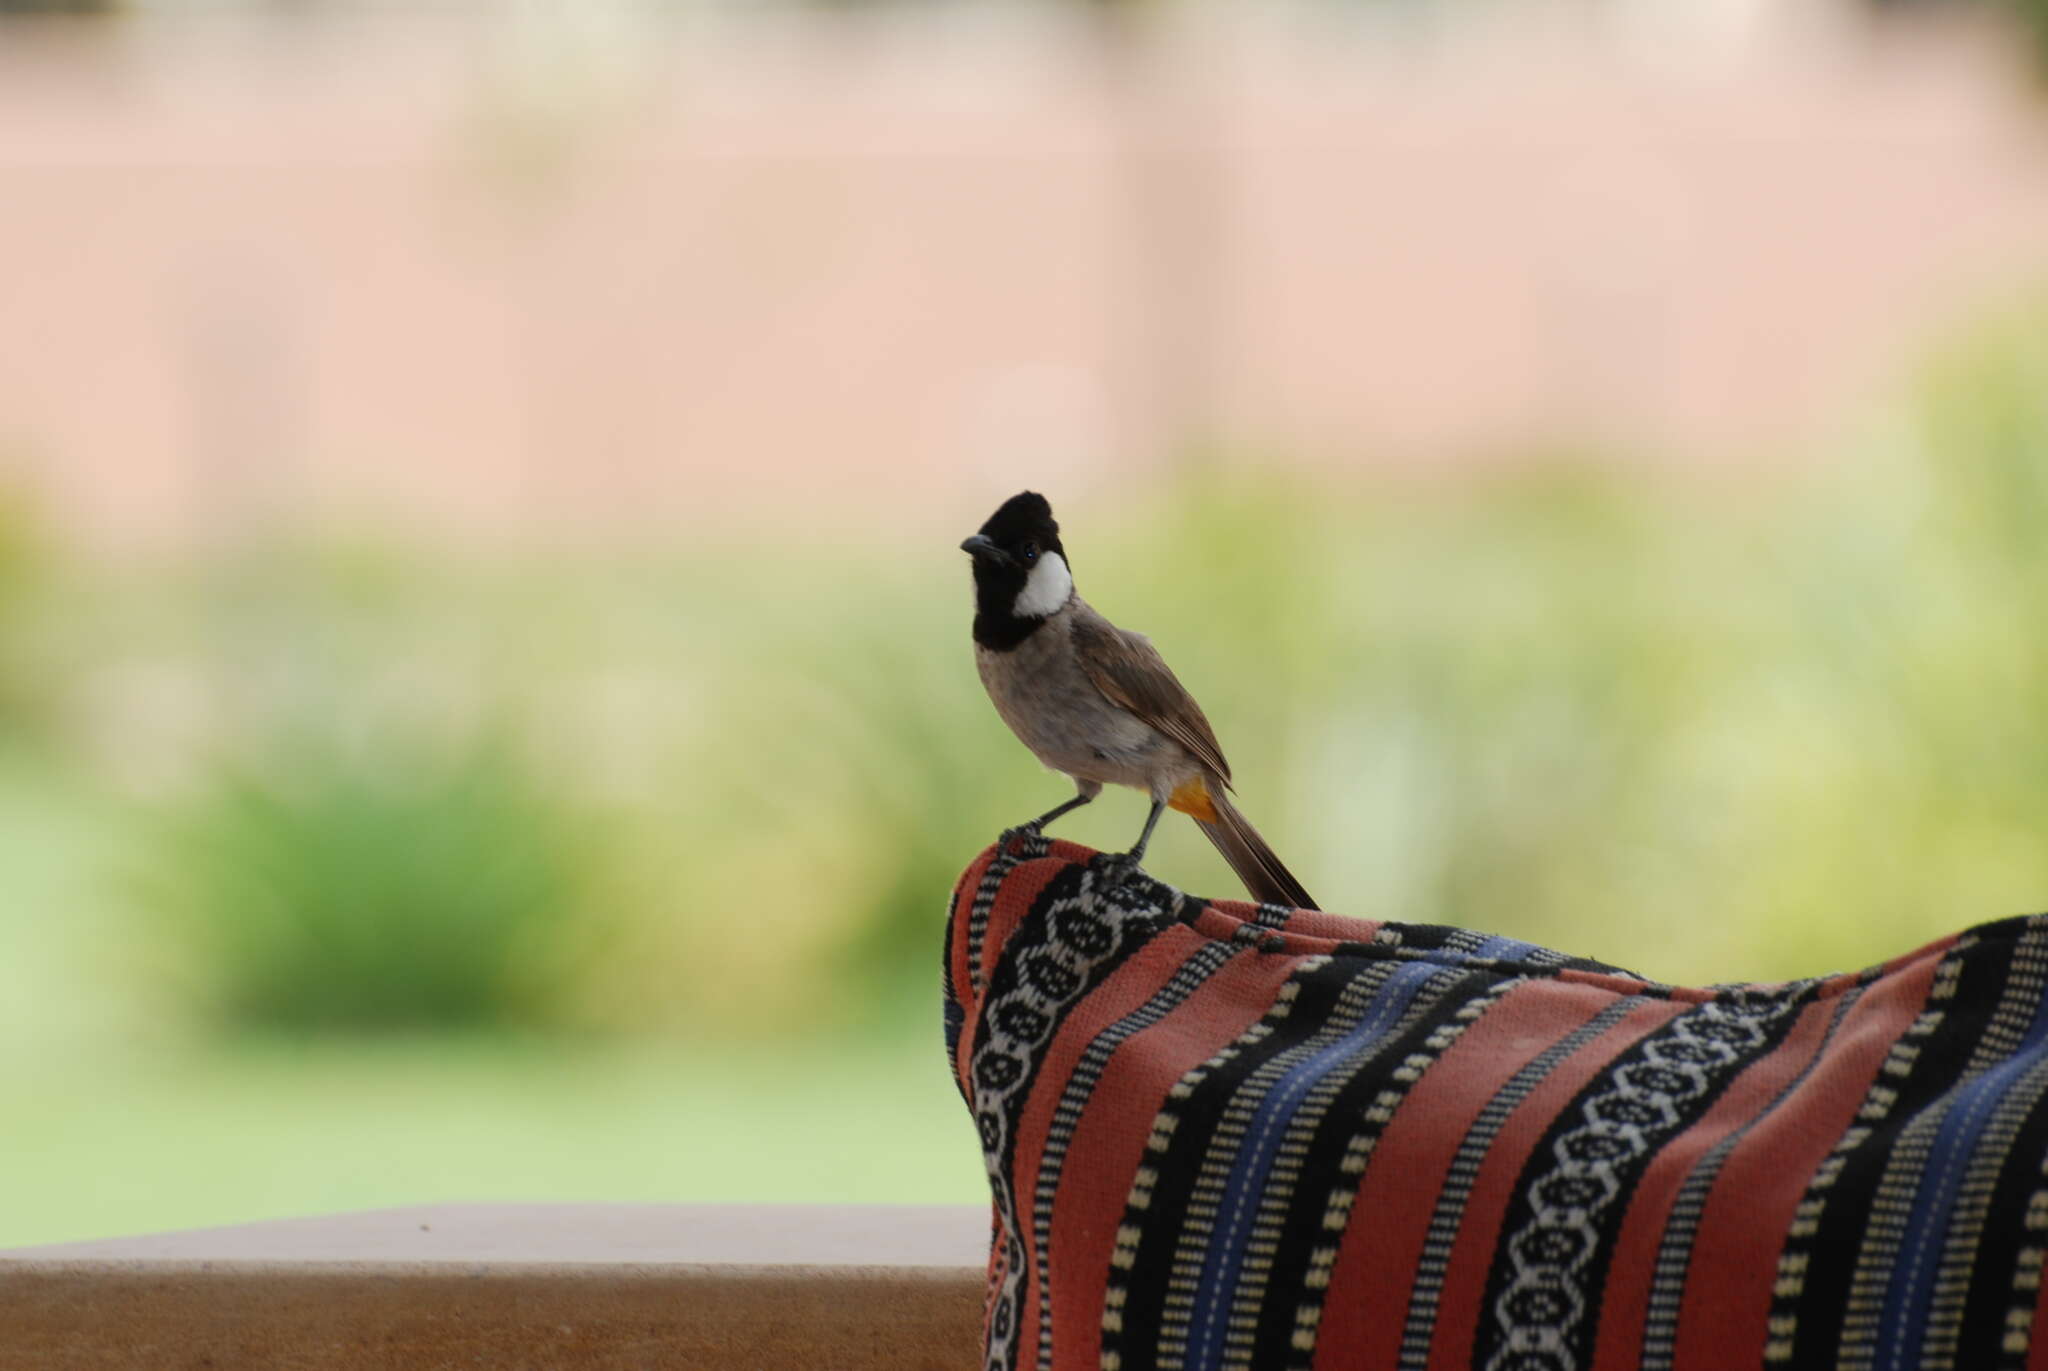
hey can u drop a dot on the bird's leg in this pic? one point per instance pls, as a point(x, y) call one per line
point(1069, 807)
point(1085, 791)
point(1120, 863)
point(1137, 854)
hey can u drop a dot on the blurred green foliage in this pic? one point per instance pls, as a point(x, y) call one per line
point(404, 889)
point(70, 9)
point(1727, 726)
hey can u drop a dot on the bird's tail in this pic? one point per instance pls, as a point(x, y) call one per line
point(1263, 874)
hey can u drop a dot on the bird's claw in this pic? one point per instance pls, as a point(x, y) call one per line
point(1117, 866)
point(1024, 831)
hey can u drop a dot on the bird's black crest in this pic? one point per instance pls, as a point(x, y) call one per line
point(1026, 515)
point(1024, 530)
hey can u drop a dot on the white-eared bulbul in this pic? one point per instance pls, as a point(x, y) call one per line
point(1096, 702)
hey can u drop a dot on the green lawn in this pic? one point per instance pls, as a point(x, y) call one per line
point(103, 1142)
point(122, 1118)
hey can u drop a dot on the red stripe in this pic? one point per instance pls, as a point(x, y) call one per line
point(1310, 926)
point(1307, 934)
point(1926, 952)
point(1621, 984)
point(1109, 1144)
point(1724, 1318)
point(1313, 923)
point(1129, 987)
point(1460, 1310)
point(1367, 1303)
point(1624, 1299)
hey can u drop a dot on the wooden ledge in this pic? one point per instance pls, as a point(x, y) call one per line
point(531, 1286)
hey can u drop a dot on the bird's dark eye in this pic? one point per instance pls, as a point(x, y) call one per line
point(1029, 552)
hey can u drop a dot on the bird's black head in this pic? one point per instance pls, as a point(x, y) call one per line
point(1021, 575)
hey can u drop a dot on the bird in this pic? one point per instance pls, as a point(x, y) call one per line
point(1098, 703)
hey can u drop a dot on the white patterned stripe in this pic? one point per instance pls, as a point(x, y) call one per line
point(1681, 1226)
point(1449, 1212)
point(1544, 1305)
point(1082, 931)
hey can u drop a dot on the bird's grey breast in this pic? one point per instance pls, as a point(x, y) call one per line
point(1046, 697)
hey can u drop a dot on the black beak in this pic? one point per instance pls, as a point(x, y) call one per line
point(982, 548)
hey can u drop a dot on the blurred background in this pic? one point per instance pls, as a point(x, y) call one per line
point(486, 709)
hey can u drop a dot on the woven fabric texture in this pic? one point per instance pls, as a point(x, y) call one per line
point(1228, 1135)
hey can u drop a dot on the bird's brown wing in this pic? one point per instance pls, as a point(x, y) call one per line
point(1130, 673)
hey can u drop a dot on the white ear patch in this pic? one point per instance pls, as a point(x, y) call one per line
point(1046, 588)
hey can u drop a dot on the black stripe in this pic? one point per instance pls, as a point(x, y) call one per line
point(1162, 1221)
point(2005, 1232)
point(1440, 1003)
point(1844, 1224)
point(1188, 978)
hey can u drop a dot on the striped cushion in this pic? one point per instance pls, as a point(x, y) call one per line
point(1227, 1135)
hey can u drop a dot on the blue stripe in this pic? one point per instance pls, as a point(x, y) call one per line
point(1269, 1127)
point(1909, 1296)
point(1506, 949)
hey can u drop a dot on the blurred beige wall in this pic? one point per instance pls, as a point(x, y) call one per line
point(519, 275)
